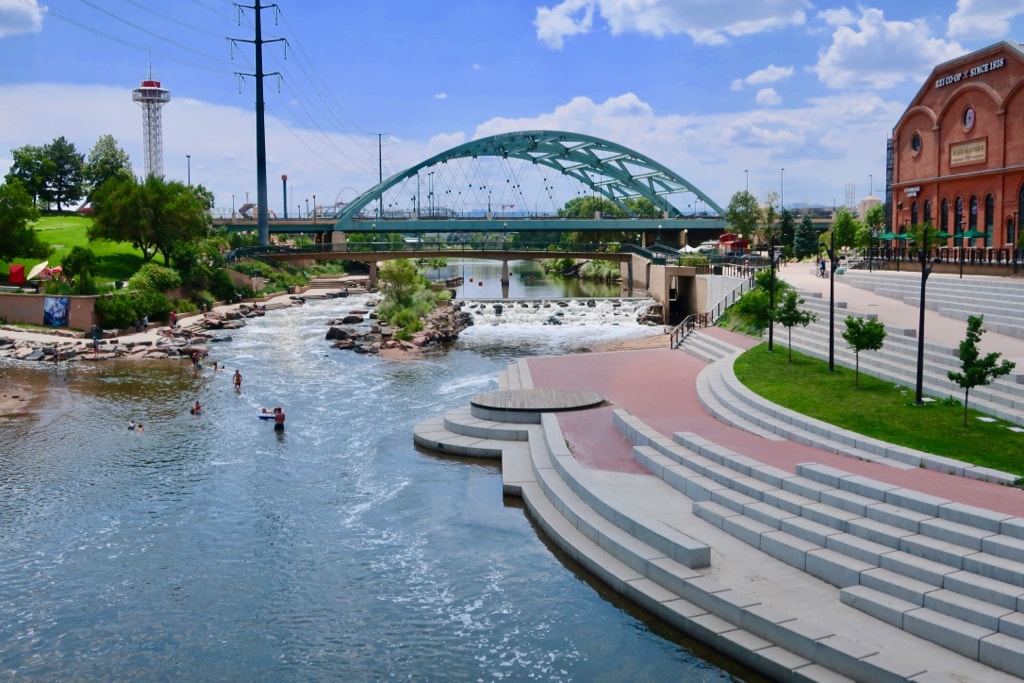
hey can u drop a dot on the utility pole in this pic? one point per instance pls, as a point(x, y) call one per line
point(262, 215)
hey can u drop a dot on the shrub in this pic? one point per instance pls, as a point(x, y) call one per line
point(153, 276)
point(221, 285)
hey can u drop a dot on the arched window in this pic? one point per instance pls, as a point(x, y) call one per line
point(1009, 232)
point(972, 218)
point(958, 214)
point(928, 211)
point(990, 218)
point(913, 213)
point(944, 213)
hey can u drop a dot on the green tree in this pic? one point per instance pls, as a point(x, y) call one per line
point(805, 239)
point(106, 160)
point(400, 280)
point(977, 370)
point(743, 214)
point(31, 168)
point(787, 230)
point(863, 335)
point(66, 184)
point(642, 207)
point(789, 314)
point(17, 212)
point(845, 229)
point(588, 206)
point(155, 215)
point(80, 261)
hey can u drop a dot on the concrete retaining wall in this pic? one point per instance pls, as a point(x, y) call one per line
point(28, 308)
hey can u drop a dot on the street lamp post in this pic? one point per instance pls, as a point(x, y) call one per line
point(926, 270)
point(746, 174)
point(188, 163)
point(1016, 243)
point(232, 206)
point(831, 302)
point(771, 291)
point(782, 190)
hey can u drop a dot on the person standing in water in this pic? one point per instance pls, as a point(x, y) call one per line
point(278, 419)
point(238, 380)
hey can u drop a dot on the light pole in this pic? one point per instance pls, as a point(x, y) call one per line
point(232, 206)
point(1016, 240)
point(746, 173)
point(926, 270)
point(831, 302)
point(188, 163)
point(686, 240)
point(782, 190)
point(314, 208)
point(771, 291)
point(658, 240)
point(284, 193)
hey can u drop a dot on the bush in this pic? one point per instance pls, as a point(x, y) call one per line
point(153, 276)
point(222, 286)
point(117, 310)
point(122, 308)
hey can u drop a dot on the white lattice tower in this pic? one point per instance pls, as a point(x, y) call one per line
point(151, 97)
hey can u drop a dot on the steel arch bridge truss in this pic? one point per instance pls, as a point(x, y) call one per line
point(615, 172)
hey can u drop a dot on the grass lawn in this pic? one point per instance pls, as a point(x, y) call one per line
point(880, 409)
point(117, 260)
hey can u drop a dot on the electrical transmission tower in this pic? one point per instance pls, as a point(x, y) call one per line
point(262, 216)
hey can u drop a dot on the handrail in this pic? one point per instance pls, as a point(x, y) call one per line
point(680, 332)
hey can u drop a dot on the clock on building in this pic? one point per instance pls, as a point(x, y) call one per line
point(969, 118)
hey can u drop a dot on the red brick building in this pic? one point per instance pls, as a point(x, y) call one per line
point(957, 154)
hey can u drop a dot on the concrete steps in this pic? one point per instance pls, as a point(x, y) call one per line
point(722, 395)
point(707, 347)
point(944, 572)
point(1000, 301)
point(713, 542)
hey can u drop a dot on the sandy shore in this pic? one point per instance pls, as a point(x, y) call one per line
point(14, 399)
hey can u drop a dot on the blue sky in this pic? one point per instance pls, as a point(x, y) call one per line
point(723, 93)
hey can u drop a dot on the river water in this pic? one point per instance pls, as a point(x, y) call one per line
point(213, 548)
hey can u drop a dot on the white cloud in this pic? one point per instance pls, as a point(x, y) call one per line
point(441, 96)
point(983, 18)
point(709, 23)
point(841, 16)
point(554, 24)
point(17, 17)
point(768, 97)
point(769, 74)
point(879, 54)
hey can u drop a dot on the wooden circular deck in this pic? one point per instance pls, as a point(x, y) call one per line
point(538, 400)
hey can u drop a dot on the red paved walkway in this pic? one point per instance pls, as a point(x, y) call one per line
point(659, 386)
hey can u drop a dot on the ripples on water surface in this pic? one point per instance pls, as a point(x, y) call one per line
point(212, 548)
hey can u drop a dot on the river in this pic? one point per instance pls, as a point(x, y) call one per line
point(212, 548)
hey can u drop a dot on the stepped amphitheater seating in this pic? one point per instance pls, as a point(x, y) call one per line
point(890, 584)
point(1000, 301)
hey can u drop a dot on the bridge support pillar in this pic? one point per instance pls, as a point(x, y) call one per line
point(504, 273)
point(373, 273)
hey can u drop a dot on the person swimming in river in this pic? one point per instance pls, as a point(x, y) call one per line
point(196, 409)
point(278, 419)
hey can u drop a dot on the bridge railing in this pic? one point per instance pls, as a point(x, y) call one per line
point(351, 249)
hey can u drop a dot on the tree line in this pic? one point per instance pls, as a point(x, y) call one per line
point(763, 223)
